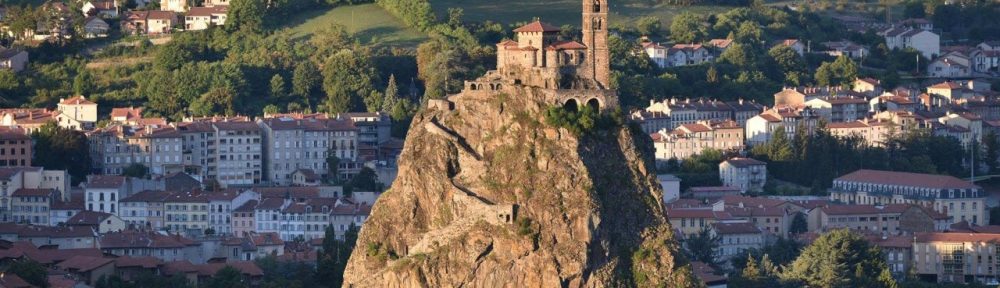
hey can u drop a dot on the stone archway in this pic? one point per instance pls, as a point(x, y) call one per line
point(571, 105)
point(594, 103)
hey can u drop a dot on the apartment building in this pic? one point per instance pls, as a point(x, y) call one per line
point(891, 219)
point(186, 212)
point(873, 131)
point(243, 218)
point(199, 149)
point(104, 191)
point(221, 205)
point(760, 128)
point(961, 200)
point(346, 214)
point(153, 244)
point(735, 239)
point(651, 122)
point(690, 221)
point(268, 213)
point(374, 128)
point(957, 257)
point(15, 147)
point(691, 139)
point(144, 210)
point(926, 42)
point(31, 206)
point(116, 147)
point(16, 178)
point(747, 174)
point(239, 153)
point(690, 112)
point(305, 143)
point(840, 108)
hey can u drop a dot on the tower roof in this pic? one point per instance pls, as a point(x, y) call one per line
point(538, 26)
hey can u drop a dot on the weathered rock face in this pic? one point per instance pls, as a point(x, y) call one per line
point(488, 195)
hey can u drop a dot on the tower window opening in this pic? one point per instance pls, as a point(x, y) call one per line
point(597, 6)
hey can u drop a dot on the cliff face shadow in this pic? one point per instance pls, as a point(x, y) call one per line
point(627, 204)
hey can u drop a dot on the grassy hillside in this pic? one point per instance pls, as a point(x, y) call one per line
point(558, 12)
point(370, 23)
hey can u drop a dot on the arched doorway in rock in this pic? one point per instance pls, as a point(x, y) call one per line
point(594, 103)
point(571, 106)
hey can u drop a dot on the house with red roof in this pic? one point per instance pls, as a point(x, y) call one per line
point(76, 113)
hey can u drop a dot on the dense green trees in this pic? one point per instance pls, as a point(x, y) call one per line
point(840, 258)
point(136, 170)
point(62, 149)
point(702, 246)
point(32, 272)
point(840, 72)
point(332, 258)
point(815, 160)
point(245, 14)
point(227, 277)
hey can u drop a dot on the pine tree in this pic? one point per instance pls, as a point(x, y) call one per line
point(391, 95)
point(278, 87)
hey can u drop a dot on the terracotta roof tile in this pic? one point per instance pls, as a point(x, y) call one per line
point(907, 179)
point(537, 26)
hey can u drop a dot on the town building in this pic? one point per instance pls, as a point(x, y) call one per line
point(13, 59)
point(671, 187)
point(186, 212)
point(101, 8)
point(845, 48)
point(201, 18)
point(650, 121)
point(747, 174)
point(253, 246)
point(152, 244)
point(153, 22)
point(691, 139)
point(144, 210)
point(116, 148)
point(956, 257)
point(292, 144)
point(691, 221)
point(239, 153)
point(736, 239)
point(179, 6)
point(104, 191)
point(891, 219)
point(961, 200)
point(950, 65)
point(713, 192)
point(839, 108)
point(873, 131)
point(924, 41)
point(100, 222)
point(13, 179)
point(760, 128)
point(243, 219)
point(15, 147)
point(31, 206)
point(76, 113)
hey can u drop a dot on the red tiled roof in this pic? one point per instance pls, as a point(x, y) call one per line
point(744, 162)
point(88, 218)
point(714, 189)
point(566, 45)
point(143, 239)
point(84, 263)
point(697, 213)
point(106, 181)
point(25, 192)
point(957, 237)
point(146, 262)
point(907, 179)
point(10, 280)
point(720, 43)
point(735, 228)
point(76, 100)
point(207, 11)
point(537, 26)
point(946, 85)
point(865, 209)
point(246, 268)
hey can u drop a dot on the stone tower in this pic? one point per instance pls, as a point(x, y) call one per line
point(595, 37)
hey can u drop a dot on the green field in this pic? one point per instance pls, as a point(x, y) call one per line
point(368, 22)
point(558, 12)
